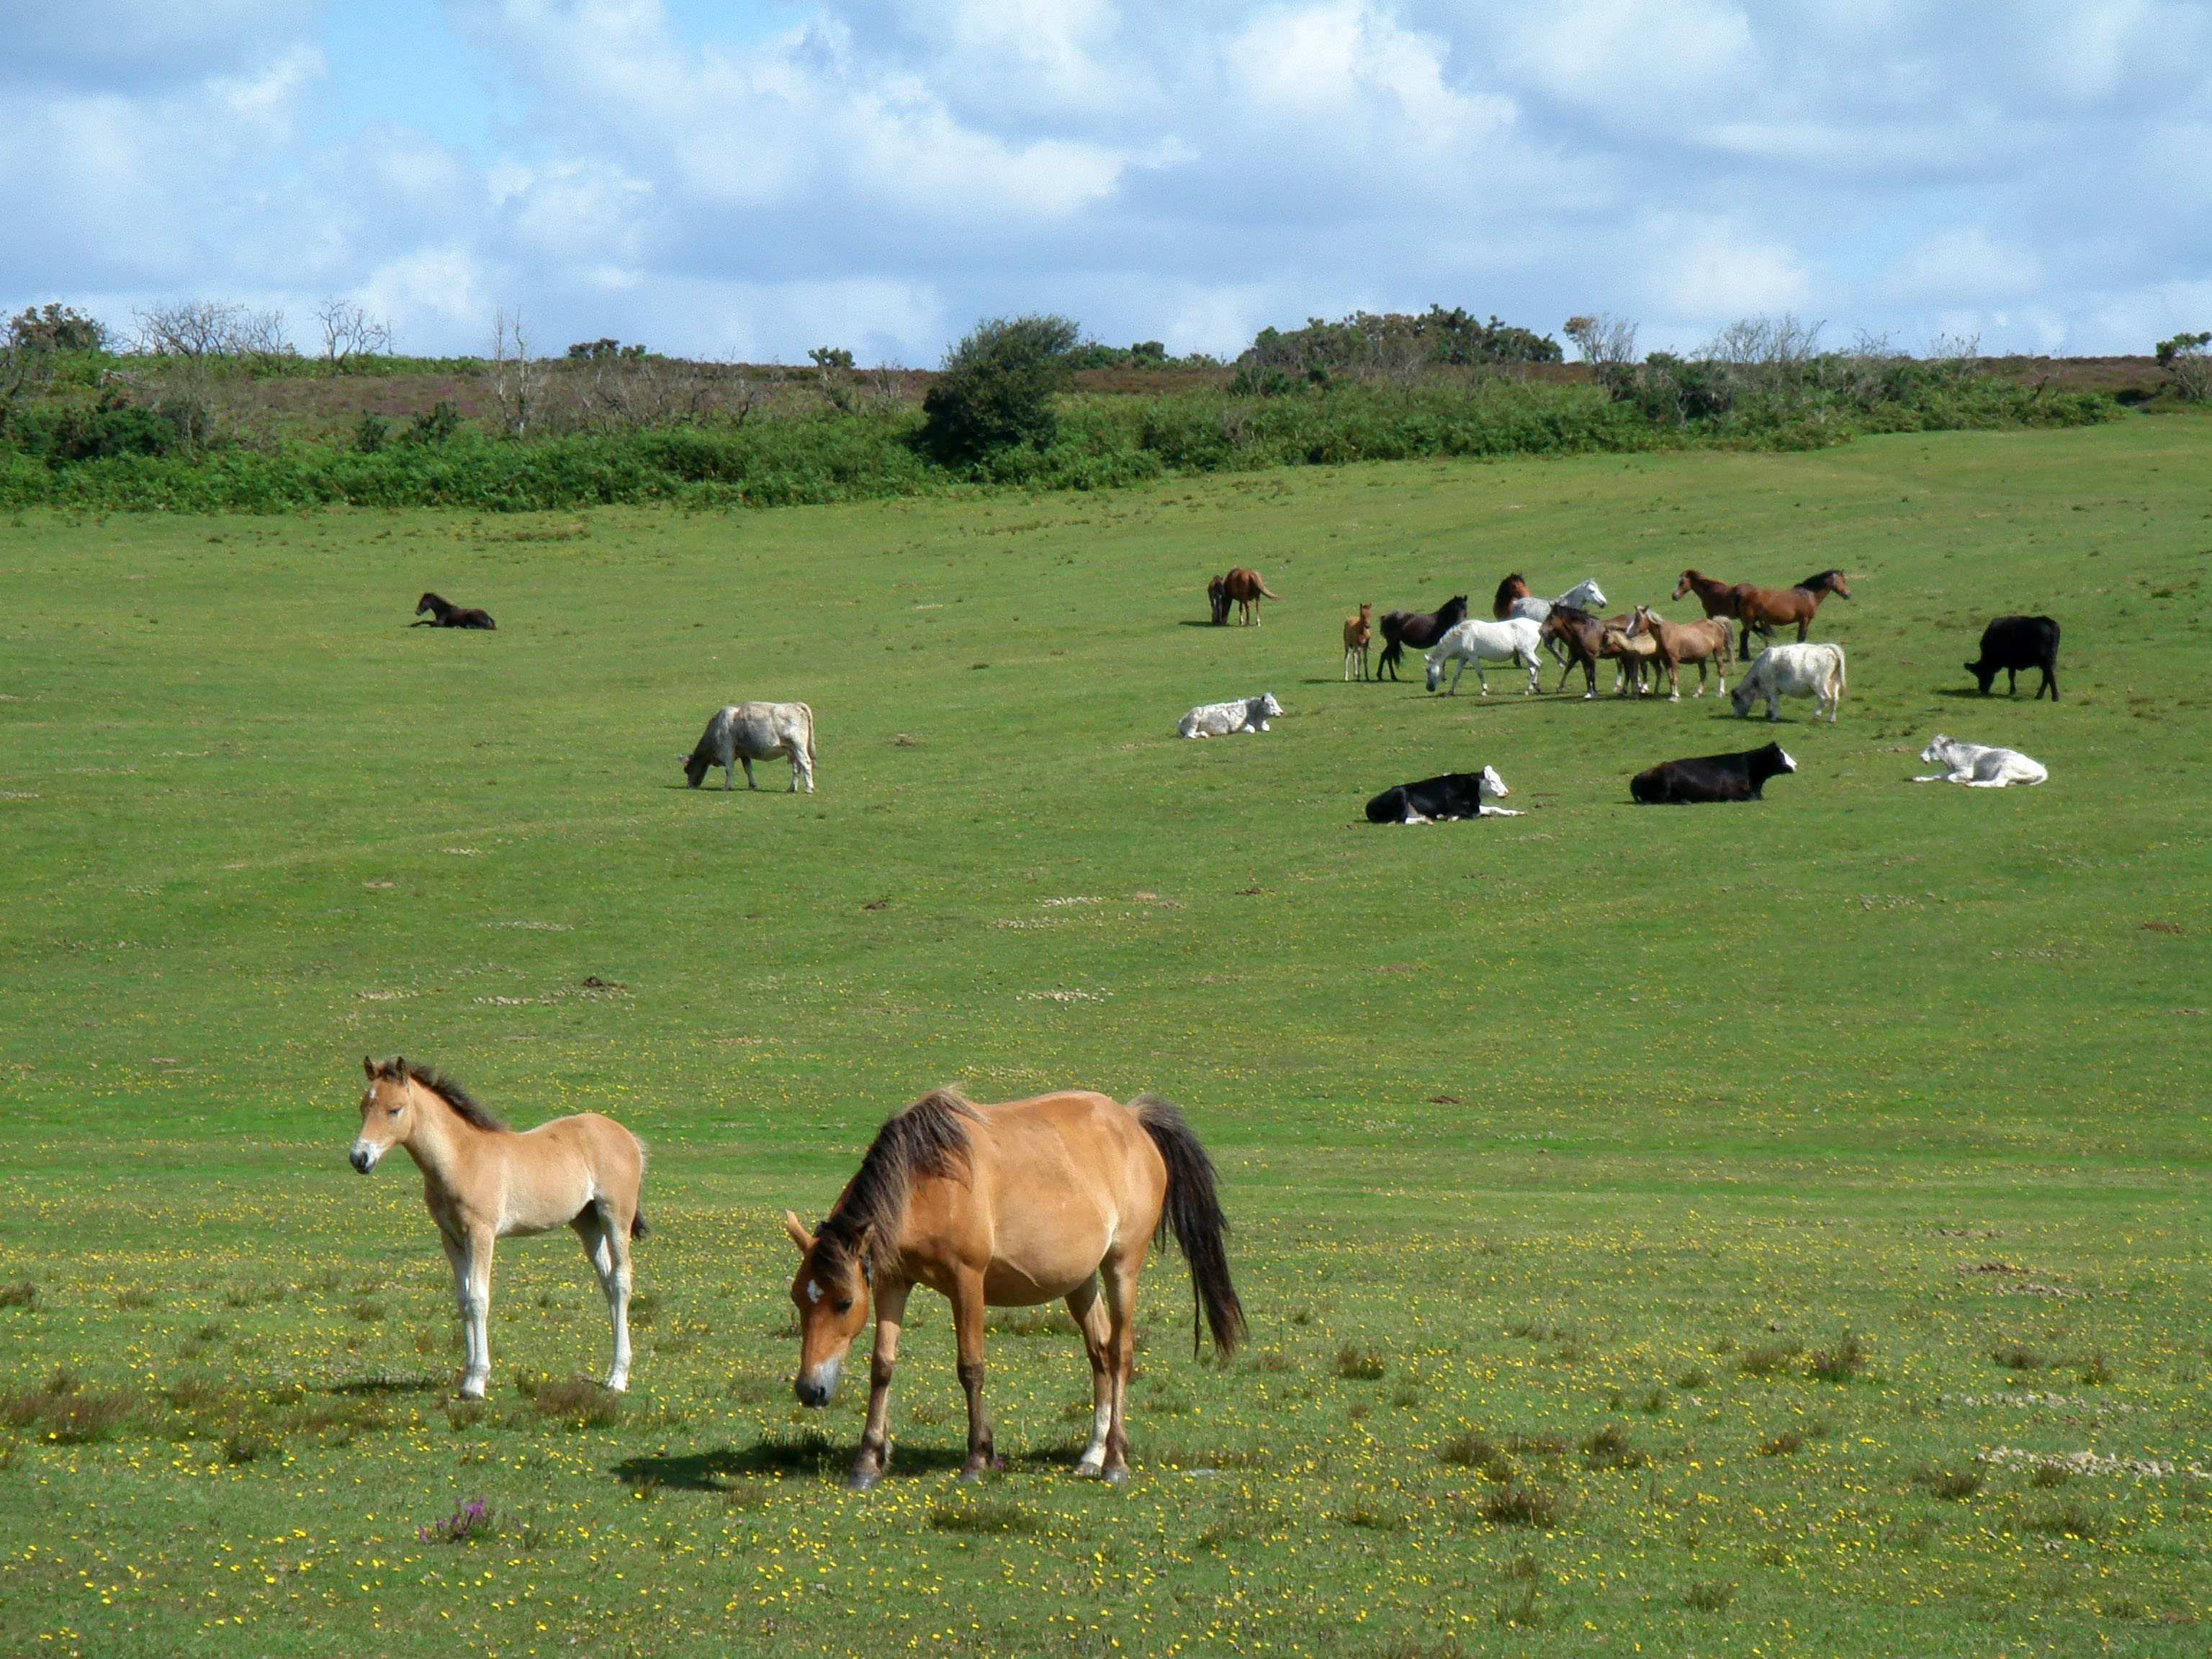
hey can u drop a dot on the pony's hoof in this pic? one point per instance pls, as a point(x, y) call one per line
point(617, 1385)
point(1117, 1476)
point(861, 1479)
point(969, 1476)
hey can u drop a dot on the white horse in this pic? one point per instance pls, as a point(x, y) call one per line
point(1585, 595)
point(1478, 643)
point(1977, 766)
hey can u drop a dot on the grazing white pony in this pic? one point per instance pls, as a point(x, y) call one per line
point(1478, 643)
point(1218, 720)
point(1977, 766)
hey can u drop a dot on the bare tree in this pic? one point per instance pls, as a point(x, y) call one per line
point(349, 332)
point(516, 376)
point(200, 329)
point(1954, 348)
point(1603, 339)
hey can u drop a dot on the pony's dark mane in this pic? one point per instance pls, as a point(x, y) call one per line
point(929, 1138)
point(1506, 590)
point(1445, 612)
point(1573, 613)
point(465, 1104)
point(1818, 577)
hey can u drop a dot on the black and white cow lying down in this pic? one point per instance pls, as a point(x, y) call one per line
point(1453, 795)
point(1711, 777)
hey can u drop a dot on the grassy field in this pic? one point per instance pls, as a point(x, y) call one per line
point(1700, 1230)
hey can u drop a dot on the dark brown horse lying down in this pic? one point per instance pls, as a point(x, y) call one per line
point(1711, 777)
point(445, 614)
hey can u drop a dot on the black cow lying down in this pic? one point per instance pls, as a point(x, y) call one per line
point(1711, 777)
point(2012, 643)
point(1453, 795)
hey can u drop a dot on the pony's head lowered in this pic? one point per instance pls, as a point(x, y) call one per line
point(428, 602)
point(392, 1105)
point(838, 1263)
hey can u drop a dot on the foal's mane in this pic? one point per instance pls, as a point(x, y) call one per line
point(400, 1068)
point(929, 1138)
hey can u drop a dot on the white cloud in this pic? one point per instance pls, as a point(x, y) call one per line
point(883, 172)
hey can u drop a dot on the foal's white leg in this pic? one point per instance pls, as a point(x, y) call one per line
point(475, 1275)
point(609, 1256)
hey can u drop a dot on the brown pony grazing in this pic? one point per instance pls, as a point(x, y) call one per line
point(484, 1181)
point(1763, 608)
point(1582, 636)
point(1676, 643)
point(1217, 601)
point(1716, 596)
point(1245, 590)
point(445, 614)
point(1357, 635)
point(1009, 1205)
point(1512, 588)
point(1419, 628)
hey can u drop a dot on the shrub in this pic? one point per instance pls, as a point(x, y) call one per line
point(369, 437)
point(1521, 1503)
point(2187, 365)
point(995, 392)
point(57, 328)
point(435, 425)
point(1358, 1364)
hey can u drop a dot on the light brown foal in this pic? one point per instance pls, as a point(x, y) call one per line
point(1700, 643)
point(1009, 1205)
point(1357, 638)
point(484, 1181)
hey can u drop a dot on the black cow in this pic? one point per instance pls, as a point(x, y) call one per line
point(2012, 643)
point(1453, 795)
point(1711, 777)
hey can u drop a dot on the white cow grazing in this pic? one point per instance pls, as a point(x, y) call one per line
point(1793, 670)
point(747, 732)
point(1218, 720)
point(1977, 766)
point(1478, 643)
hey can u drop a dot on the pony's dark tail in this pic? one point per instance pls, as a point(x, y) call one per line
point(637, 1227)
point(1195, 1214)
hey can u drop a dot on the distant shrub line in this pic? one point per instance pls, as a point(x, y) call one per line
point(130, 459)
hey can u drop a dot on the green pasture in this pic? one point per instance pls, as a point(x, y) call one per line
point(1664, 1230)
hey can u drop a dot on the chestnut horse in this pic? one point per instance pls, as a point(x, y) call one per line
point(1009, 1205)
point(1699, 642)
point(1716, 596)
point(1581, 636)
point(1513, 587)
point(1245, 590)
point(484, 1181)
point(1356, 637)
point(1419, 628)
point(1762, 608)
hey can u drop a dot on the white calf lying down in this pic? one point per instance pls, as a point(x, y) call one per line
point(1977, 766)
point(1218, 720)
point(1793, 670)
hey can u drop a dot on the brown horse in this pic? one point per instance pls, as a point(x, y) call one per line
point(1634, 653)
point(1356, 637)
point(1217, 601)
point(1699, 642)
point(1716, 596)
point(1245, 590)
point(1764, 608)
point(1009, 1205)
point(444, 613)
point(1513, 587)
point(1419, 628)
point(1581, 636)
point(484, 1181)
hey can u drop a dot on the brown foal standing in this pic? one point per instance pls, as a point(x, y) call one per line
point(1356, 637)
point(1699, 642)
point(484, 1181)
point(1009, 1205)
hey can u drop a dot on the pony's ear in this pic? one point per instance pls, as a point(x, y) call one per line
point(797, 1229)
point(369, 1067)
point(399, 1067)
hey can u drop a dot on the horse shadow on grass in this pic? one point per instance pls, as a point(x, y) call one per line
point(808, 1455)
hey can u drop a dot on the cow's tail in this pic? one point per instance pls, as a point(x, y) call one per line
point(810, 733)
point(1192, 1210)
point(1841, 685)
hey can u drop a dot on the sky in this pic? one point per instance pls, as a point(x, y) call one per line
point(757, 178)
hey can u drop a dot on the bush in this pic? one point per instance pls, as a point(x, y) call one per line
point(2187, 365)
point(57, 328)
point(996, 389)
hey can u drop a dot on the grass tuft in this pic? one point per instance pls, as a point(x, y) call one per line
point(2015, 1358)
point(982, 1515)
point(1841, 1362)
point(1788, 1443)
point(1713, 1595)
point(1610, 1448)
point(1358, 1364)
point(1525, 1504)
point(1766, 1359)
point(1953, 1484)
point(23, 1293)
